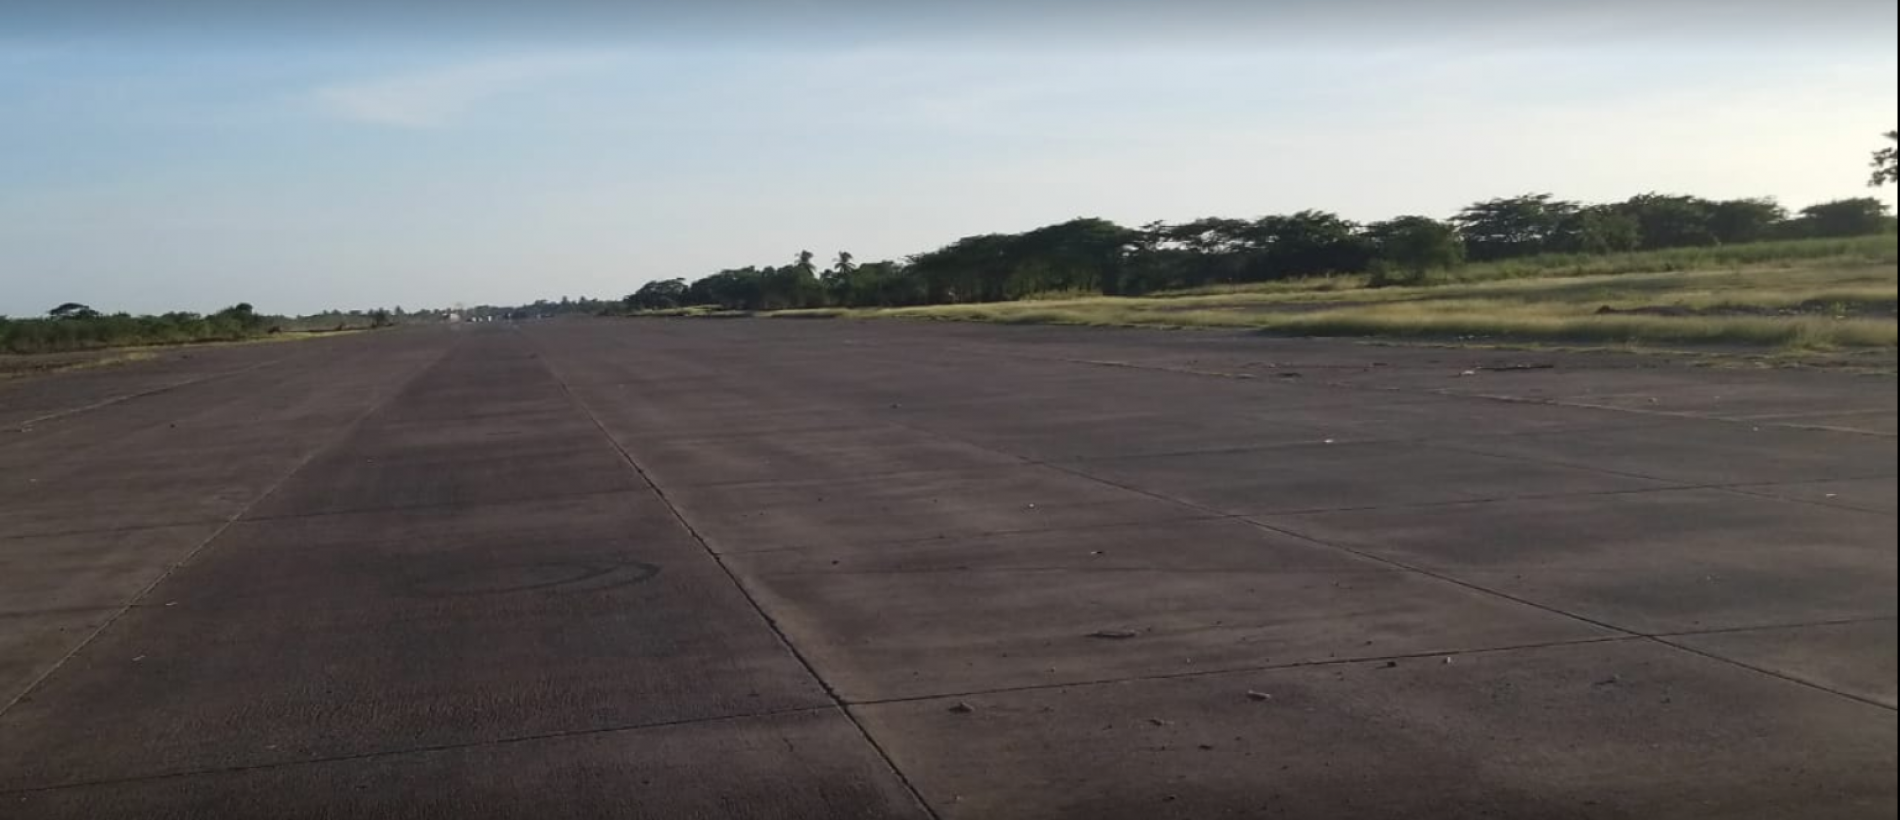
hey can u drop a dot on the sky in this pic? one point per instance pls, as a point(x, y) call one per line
point(306, 156)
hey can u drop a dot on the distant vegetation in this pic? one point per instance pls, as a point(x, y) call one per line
point(1801, 295)
point(538, 309)
point(73, 326)
point(1096, 257)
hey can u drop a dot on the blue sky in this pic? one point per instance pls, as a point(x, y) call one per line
point(187, 162)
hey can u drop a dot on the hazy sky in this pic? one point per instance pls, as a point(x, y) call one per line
point(323, 155)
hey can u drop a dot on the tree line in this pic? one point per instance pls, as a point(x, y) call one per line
point(1091, 255)
point(75, 326)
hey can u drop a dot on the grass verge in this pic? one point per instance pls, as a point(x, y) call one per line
point(16, 365)
point(1793, 296)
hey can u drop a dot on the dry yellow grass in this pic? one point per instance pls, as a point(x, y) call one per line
point(1818, 304)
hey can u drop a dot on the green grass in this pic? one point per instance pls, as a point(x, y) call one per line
point(1790, 296)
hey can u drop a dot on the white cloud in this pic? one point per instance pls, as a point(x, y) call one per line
point(436, 97)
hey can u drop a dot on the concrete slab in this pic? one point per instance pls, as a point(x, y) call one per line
point(1030, 432)
point(292, 389)
point(665, 423)
point(492, 396)
point(871, 449)
point(1858, 658)
point(1625, 729)
point(195, 454)
point(1382, 415)
point(25, 400)
point(1642, 384)
point(1347, 476)
point(368, 477)
point(90, 570)
point(1871, 494)
point(528, 430)
point(738, 518)
point(1738, 395)
point(139, 492)
point(293, 640)
point(942, 617)
point(32, 642)
point(1877, 422)
point(1651, 562)
point(468, 605)
point(1699, 452)
point(799, 766)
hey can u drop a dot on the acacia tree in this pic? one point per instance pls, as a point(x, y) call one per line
point(1746, 220)
point(73, 310)
point(1514, 226)
point(1413, 245)
point(1860, 216)
point(1216, 248)
point(1600, 229)
point(1308, 243)
point(1671, 220)
point(659, 294)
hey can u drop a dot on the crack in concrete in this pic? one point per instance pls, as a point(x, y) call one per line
point(27, 425)
point(1382, 658)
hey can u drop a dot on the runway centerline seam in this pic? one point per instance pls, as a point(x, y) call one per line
point(831, 692)
point(1248, 668)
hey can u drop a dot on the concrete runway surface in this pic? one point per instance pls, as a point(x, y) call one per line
point(790, 569)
